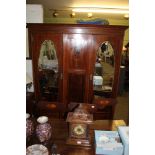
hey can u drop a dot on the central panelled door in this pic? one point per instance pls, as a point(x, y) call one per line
point(78, 60)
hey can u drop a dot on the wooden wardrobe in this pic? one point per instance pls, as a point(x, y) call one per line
point(76, 48)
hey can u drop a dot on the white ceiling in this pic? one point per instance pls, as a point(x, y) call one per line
point(51, 5)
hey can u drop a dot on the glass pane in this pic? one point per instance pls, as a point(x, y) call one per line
point(104, 69)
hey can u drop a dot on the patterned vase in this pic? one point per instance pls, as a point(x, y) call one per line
point(29, 126)
point(43, 129)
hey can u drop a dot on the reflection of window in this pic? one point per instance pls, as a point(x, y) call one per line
point(48, 57)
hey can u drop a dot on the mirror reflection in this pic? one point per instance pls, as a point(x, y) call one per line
point(48, 57)
point(48, 71)
point(104, 69)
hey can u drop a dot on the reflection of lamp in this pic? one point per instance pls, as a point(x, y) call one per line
point(126, 16)
point(124, 48)
point(90, 15)
point(72, 14)
point(55, 14)
point(102, 10)
point(112, 10)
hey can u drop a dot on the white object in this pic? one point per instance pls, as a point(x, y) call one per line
point(78, 142)
point(42, 119)
point(29, 73)
point(124, 134)
point(107, 88)
point(122, 66)
point(104, 139)
point(97, 80)
point(98, 65)
point(27, 115)
point(37, 149)
point(93, 106)
point(28, 79)
point(34, 13)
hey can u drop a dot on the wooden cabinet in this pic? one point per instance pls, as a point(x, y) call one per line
point(76, 48)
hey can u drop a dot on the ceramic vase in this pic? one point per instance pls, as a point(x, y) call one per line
point(29, 126)
point(43, 129)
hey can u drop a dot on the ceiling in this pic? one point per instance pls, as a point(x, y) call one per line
point(64, 7)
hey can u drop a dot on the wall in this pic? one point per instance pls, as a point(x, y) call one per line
point(29, 73)
point(73, 21)
point(34, 14)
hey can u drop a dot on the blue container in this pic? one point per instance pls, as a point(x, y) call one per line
point(108, 143)
point(94, 21)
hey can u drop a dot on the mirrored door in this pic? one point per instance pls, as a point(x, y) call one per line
point(104, 69)
point(47, 64)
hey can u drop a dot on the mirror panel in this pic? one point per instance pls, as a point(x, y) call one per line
point(104, 70)
point(48, 71)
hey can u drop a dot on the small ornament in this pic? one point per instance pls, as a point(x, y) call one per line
point(43, 130)
point(29, 126)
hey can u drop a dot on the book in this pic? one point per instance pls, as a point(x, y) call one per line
point(108, 142)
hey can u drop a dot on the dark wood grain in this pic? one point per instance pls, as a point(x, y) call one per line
point(30, 103)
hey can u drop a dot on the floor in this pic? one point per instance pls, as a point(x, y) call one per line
point(122, 107)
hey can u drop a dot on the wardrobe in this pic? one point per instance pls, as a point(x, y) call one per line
point(64, 58)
